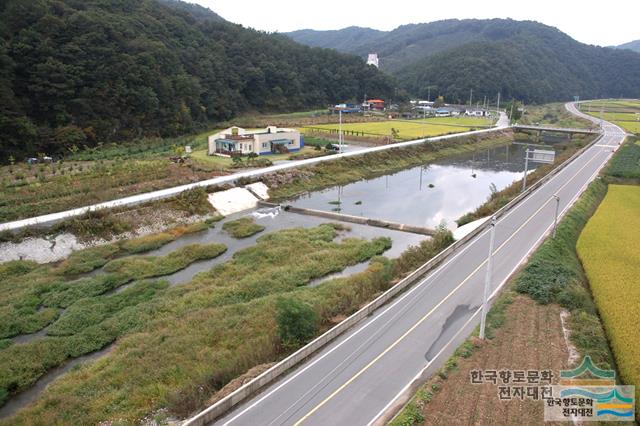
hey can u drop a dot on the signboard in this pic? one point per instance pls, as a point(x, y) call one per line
point(542, 156)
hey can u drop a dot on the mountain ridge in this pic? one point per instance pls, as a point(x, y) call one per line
point(632, 45)
point(520, 59)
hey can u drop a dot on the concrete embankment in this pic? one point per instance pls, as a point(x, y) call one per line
point(354, 219)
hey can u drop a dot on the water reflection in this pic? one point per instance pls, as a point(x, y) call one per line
point(425, 195)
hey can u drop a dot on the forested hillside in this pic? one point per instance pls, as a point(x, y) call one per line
point(521, 59)
point(406, 44)
point(77, 72)
point(632, 45)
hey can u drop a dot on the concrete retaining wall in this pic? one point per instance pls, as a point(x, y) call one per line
point(361, 220)
point(252, 387)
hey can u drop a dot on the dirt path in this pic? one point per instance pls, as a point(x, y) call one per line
point(530, 339)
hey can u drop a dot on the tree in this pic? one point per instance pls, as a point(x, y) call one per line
point(64, 79)
point(251, 157)
point(439, 101)
point(514, 110)
point(297, 322)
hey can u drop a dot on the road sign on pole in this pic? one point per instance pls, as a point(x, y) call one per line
point(538, 156)
point(542, 156)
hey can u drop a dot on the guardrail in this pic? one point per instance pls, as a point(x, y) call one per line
point(252, 387)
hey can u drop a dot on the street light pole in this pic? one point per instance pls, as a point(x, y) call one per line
point(555, 219)
point(526, 169)
point(487, 281)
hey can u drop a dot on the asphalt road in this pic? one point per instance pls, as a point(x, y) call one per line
point(359, 376)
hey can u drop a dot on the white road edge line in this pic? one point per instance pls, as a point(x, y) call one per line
point(376, 316)
point(409, 292)
point(493, 294)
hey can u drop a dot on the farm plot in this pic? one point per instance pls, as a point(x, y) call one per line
point(625, 114)
point(407, 129)
point(609, 252)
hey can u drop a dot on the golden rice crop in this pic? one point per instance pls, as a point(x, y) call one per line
point(608, 249)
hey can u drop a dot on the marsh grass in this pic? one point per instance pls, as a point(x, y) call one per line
point(200, 335)
point(151, 266)
point(87, 260)
point(242, 228)
point(92, 319)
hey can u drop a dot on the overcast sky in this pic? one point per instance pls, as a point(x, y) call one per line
point(603, 23)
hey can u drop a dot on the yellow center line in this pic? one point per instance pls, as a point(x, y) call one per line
point(421, 320)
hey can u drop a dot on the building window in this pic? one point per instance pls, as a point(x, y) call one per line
point(264, 145)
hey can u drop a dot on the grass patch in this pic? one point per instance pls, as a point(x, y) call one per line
point(242, 228)
point(555, 115)
point(611, 259)
point(32, 294)
point(34, 190)
point(198, 336)
point(88, 311)
point(83, 261)
point(149, 266)
point(554, 274)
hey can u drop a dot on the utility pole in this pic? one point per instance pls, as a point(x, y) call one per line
point(526, 169)
point(471, 99)
point(428, 93)
point(340, 133)
point(555, 219)
point(511, 113)
point(498, 107)
point(487, 280)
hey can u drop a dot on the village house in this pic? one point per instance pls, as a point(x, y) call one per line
point(374, 105)
point(476, 112)
point(236, 141)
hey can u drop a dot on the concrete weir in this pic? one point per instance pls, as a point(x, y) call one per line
point(353, 219)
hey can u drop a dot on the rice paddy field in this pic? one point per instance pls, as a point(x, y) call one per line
point(625, 114)
point(608, 249)
point(407, 129)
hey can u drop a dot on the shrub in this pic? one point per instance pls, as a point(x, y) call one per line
point(97, 223)
point(193, 201)
point(297, 322)
point(554, 273)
